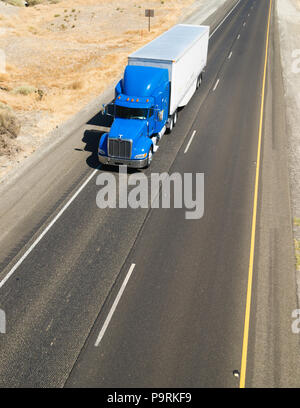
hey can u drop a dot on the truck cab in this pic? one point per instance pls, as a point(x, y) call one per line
point(140, 111)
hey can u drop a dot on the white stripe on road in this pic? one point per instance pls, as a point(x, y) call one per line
point(225, 18)
point(114, 306)
point(13, 269)
point(190, 141)
point(229, 56)
point(238, 37)
point(216, 84)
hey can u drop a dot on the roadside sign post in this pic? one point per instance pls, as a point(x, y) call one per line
point(149, 13)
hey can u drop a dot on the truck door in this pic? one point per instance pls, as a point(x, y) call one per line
point(163, 107)
point(151, 121)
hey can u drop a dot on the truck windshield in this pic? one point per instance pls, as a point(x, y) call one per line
point(131, 113)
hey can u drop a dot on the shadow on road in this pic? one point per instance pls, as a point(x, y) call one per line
point(91, 139)
point(101, 119)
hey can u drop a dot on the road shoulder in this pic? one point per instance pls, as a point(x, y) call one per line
point(273, 356)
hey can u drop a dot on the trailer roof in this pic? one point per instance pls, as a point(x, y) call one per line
point(172, 44)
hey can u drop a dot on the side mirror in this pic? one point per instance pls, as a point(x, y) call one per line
point(160, 115)
point(108, 109)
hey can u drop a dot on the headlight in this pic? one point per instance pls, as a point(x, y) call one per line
point(100, 151)
point(140, 156)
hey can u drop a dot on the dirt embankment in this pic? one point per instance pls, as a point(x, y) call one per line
point(61, 54)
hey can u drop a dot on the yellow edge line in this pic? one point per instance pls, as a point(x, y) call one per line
point(253, 229)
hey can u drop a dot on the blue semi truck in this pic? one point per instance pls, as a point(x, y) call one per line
point(159, 78)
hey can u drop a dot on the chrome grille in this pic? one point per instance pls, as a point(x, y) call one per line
point(119, 148)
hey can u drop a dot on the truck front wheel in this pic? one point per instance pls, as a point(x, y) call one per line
point(149, 157)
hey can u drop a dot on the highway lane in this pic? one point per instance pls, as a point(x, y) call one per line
point(54, 297)
point(59, 297)
point(178, 326)
point(180, 320)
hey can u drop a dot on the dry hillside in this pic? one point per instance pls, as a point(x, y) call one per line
point(60, 55)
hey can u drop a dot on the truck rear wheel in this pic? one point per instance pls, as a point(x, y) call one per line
point(171, 124)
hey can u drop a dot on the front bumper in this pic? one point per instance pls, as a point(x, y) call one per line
point(136, 164)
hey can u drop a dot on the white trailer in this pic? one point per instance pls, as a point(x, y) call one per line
point(183, 51)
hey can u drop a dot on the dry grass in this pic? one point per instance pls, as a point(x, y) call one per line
point(17, 3)
point(24, 90)
point(78, 84)
point(297, 221)
point(9, 130)
point(33, 2)
point(68, 53)
point(4, 78)
point(9, 125)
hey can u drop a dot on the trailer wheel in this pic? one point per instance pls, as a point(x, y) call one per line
point(175, 116)
point(170, 128)
point(199, 81)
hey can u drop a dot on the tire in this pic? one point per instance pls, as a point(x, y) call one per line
point(170, 128)
point(199, 81)
point(175, 117)
point(149, 157)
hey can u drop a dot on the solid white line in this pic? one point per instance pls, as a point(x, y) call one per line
point(24, 256)
point(225, 18)
point(190, 141)
point(229, 56)
point(114, 306)
point(216, 84)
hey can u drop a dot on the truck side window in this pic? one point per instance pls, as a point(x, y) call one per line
point(151, 111)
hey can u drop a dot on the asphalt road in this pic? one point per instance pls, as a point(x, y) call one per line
point(180, 320)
